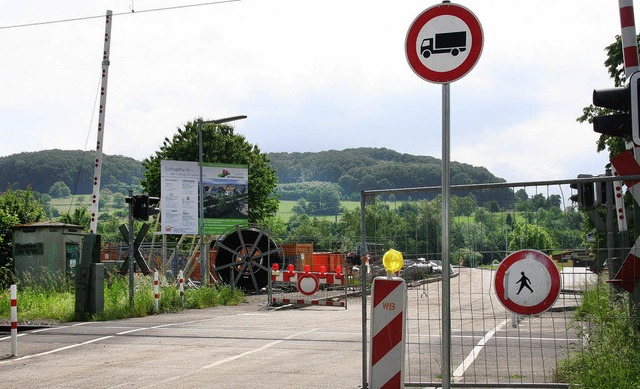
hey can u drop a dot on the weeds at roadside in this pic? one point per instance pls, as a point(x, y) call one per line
point(610, 352)
point(52, 298)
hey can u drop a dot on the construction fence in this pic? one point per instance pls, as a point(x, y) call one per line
point(465, 335)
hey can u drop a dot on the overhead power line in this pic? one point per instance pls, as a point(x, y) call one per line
point(116, 14)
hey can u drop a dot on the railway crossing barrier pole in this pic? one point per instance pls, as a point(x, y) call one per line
point(14, 320)
point(156, 294)
point(388, 326)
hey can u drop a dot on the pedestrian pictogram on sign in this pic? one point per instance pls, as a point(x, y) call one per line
point(527, 282)
point(444, 43)
point(524, 283)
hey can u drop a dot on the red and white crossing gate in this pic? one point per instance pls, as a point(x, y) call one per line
point(311, 288)
point(388, 332)
point(625, 164)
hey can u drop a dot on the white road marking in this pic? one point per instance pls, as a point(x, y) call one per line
point(238, 356)
point(459, 372)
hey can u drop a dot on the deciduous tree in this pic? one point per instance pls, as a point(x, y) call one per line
point(220, 145)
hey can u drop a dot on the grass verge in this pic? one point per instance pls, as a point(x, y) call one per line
point(52, 298)
point(610, 352)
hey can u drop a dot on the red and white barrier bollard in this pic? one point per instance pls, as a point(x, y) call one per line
point(181, 285)
point(156, 291)
point(388, 333)
point(14, 320)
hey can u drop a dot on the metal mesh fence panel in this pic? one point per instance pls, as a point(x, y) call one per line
point(489, 345)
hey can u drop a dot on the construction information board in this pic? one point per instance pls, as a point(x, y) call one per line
point(226, 194)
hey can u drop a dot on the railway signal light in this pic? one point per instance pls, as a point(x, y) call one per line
point(601, 192)
point(144, 206)
point(585, 196)
point(153, 206)
point(625, 121)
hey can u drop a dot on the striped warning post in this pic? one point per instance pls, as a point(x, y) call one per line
point(14, 320)
point(181, 284)
point(156, 294)
point(388, 318)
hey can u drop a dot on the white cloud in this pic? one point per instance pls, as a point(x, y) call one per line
point(311, 76)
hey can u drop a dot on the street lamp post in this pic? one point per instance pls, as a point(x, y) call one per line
point(204, 253)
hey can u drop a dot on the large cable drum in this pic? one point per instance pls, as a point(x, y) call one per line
point(244, 257)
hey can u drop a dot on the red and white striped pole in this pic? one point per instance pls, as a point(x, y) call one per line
point(388, 318)
point(181, 285)
point(630, 61)
point(14, 320)
point(155, 290)
point(628, 37)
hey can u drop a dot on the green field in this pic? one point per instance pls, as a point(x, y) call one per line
point(286, 205)
point(69, 204)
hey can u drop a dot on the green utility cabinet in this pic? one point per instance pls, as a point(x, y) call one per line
point(46, 248)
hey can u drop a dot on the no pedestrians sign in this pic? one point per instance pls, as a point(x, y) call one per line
point(527, 282)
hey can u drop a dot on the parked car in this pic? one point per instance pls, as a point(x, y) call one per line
point(418, 269)
point(436, 265)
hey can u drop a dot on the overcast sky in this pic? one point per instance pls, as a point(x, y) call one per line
point(310, 75)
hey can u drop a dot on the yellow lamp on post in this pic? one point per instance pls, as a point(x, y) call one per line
point(392, 261)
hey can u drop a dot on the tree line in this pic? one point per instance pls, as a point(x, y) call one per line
point(57, 170)
point(494, 220)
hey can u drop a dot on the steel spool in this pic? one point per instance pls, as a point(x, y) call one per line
point(244, 258)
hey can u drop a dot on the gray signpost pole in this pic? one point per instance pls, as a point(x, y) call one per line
point(444, 68)
point(132, 257)
point(446, 277)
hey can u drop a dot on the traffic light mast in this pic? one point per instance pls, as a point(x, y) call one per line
point(624, 101)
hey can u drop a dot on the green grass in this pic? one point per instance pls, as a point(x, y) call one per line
point(69, 204)
point(53, 298)
point(286, 206)
point(611, 355)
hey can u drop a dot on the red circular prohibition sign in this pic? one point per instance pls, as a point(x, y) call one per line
point(308, 284)
point(548, 264)
point(412, 37)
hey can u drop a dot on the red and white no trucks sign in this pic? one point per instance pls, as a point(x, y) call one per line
point(444, 43)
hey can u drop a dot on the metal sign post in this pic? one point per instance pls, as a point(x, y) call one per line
point(446, 276)
point(442, 45)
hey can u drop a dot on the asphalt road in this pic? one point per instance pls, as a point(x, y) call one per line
point(252, 345)
point(246, 346)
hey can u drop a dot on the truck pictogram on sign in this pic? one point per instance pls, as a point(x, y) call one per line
point(444, 43)
point(450, 30)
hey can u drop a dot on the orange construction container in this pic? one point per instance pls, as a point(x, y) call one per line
point(299, 254)
point(329, 260)
point(336, 260)
point(320, 259)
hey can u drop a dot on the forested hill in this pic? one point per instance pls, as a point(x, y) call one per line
point(41, 169)
point(352, 169)
point(372, 168)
